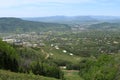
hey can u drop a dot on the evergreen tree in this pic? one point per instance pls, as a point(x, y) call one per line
point(8, 57)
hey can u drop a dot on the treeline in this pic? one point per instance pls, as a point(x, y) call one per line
point(15, 60)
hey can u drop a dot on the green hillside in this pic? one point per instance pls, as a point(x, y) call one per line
point(7, 75)
point(26, 62)
point(105, 26)
point(19, 25)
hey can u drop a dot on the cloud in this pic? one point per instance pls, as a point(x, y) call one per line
point(57, 7)
point(14, 3)
point(9, 3)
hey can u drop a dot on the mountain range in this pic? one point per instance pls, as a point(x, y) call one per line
point(75, 19)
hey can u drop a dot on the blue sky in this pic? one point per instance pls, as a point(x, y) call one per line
point(39, 8)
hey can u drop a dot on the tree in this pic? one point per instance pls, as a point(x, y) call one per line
point(8, 57)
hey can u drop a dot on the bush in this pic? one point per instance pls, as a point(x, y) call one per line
point(102, 68)
point(73, 66)
point(47, 70)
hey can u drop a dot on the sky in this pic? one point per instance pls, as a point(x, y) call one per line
point(42, 8)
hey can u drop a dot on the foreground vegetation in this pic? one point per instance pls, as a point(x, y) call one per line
point(104, 67)
point(7, 75)
point(11, 60)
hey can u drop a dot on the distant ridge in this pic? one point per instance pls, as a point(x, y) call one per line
point(19, 25)
point(74, 19)
point(105, 26)
point(63, 19)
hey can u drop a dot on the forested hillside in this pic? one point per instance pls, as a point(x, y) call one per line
point(21, 61)
point(19, 25)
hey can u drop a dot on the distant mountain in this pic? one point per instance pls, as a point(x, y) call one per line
point(111, 19)
point(19, 25)
point(64, 19)
point(75, 19)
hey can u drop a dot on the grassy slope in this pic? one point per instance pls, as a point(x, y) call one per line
point(72, 75)
point(7, 75)
point(59, 55)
